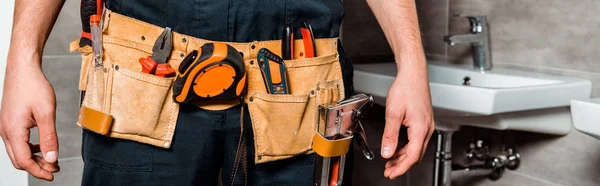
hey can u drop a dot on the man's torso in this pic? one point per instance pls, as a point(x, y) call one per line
point(235, 20)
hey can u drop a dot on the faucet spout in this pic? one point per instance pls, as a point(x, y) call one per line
point(460, 39)
point(479, 40)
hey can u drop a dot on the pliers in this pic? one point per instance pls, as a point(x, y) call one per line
point(157, 63)
point(287, 43)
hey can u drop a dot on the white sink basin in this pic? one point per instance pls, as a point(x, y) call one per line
point(586, 116)
point(497, 94)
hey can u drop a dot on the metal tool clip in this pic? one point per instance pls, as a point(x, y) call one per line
point(342, 121)
point(96, 39)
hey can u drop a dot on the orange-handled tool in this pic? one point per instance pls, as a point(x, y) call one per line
point(86, 10)
point(157, 63)
point(309, 40)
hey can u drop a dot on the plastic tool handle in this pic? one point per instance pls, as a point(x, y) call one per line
point(164, 70)
point(287, 43)
point(148, 65)
point(87, 9)
point(335, 170)
point(309, 40)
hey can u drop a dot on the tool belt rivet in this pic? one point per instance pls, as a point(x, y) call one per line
point(143, 38)
point(184, 40)
point(251, 99)
point(253, 46)
point(116, 67)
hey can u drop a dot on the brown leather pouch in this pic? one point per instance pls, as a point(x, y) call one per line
point(143, 111)
point(284, 125)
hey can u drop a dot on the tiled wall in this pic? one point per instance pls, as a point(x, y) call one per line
point(553, 36)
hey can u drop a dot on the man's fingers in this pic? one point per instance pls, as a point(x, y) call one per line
point(45, 118)
point(52, 167)
point(426, 140)
point(35, 148)
point(393, 122)
point(399, 156)
point(11, 155)
point(23, 158)
point(414, 151)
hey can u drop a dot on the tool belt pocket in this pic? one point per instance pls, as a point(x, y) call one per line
point(284, 124)
point(136, 101)
point(123, 102)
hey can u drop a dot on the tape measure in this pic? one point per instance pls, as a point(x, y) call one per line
point(217, 72)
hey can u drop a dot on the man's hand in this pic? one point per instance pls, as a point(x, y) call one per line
point(29, 101)
point(408, 104)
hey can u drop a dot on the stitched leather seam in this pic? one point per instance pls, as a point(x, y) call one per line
point(117, 167)
point(282, 98)
point(125, 18)
point(256, 132)
point(172, 121)
point(127, 43)
point(140, 77)
point(304, 151)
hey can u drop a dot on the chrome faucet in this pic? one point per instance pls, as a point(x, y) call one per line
point(479, 40)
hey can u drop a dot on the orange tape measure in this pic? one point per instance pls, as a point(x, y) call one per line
point(217, 72)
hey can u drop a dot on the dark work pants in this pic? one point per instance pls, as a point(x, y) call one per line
point(204, 142)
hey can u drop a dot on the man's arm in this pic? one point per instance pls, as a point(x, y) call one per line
point(29, 99)
point(408, 102)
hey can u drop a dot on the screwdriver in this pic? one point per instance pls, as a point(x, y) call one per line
point(96, 39)
point(87, 9)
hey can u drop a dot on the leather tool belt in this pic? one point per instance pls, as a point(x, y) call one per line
point(122, 102)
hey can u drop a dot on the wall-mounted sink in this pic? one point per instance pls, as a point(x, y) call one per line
point(586, 116)
point(462, 95)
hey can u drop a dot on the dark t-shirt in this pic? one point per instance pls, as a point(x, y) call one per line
point(235, 20)
point(241, 20)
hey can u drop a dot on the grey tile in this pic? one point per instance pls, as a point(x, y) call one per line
point(66, 29)
point(69, 175)
point(568, 160)
point(535, 32)
point(508, 179)
point(433, 21)
point(63, 74)
point(546, 159)
point(365, 42)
